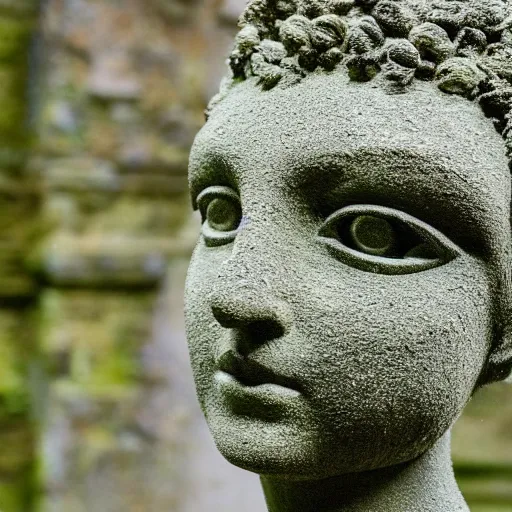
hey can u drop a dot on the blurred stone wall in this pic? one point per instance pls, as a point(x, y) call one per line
point(100, 102)
point(123, 86)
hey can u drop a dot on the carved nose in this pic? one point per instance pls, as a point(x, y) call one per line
point(262, 317)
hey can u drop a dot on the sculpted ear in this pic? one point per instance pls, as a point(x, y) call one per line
point(499, 363)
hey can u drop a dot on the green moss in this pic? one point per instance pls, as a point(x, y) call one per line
point(14, 135)
point(13, 385)
point(19, 8)
point(13, 157)
point(14, 37)
point(92, 340)
point(17, 447)
point(12, 496)
point(489, 507)
point(16, 429)
point(12, 379)
point(15, 33)
point(16, 466)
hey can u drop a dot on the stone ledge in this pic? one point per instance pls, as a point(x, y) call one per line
point(83, 174)
point(106, 262)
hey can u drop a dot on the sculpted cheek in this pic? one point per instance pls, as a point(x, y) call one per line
point(415, 347)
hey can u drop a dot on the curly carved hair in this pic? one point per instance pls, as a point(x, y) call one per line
point(464, 46)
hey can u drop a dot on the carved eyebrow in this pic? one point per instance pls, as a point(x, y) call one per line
point(209, 168)
point(335, 163)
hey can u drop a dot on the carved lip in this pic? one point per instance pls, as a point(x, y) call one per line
point(264, 400)
point(251, 374)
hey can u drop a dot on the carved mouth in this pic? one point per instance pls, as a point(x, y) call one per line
point(250, 373)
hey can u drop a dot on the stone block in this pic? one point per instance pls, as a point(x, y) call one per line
point(106, 261)
point(93, 340)
point(94, 345)
point(19, 203)
point(112, 78)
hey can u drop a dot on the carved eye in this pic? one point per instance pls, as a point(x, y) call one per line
point(222, 213)
point(385, 241)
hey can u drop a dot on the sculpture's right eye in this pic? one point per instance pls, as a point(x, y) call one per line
point(383, 240)
point(221, 212)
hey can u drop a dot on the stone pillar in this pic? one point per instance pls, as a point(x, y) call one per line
point(19, 202)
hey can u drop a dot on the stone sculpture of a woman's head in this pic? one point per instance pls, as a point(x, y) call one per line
point(351, 288)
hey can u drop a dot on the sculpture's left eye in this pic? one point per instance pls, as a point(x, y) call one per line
point(385, 241)
point(221, 213)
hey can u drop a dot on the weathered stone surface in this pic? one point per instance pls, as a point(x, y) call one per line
point(337, 373)
point(109, 228)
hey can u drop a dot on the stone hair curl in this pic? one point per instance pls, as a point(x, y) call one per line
point(464, 46)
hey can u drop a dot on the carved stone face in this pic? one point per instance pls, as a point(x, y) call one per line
point(342, 299)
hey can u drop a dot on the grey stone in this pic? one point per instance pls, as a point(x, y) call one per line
point(356, 293)
point(111, 79)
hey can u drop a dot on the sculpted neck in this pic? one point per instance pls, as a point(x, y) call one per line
point(426, 484)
